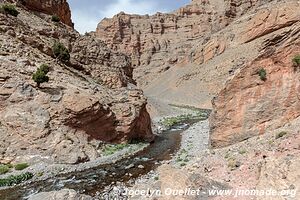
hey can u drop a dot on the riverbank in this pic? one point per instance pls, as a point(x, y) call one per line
point(59, 176)
point(259, 163)
point(194, 141)
point(44, 171)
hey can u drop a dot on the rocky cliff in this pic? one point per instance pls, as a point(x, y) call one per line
point(59, 8)
point(88, 100)
point(249, 105)
point(146, 38)
point(195, 47)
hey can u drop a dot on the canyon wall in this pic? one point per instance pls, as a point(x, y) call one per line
point(248, 106)
point(89, 100)
point(213, 50)
point(191, 47)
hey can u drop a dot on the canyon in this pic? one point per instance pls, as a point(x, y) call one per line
point(135, 69)
point(209, 44)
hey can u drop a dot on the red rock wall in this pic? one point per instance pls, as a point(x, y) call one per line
point(249, 106)
point(169, 34)
point(60, 8)
point(52, 7)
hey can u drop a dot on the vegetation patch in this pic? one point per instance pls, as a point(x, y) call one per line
point(262, 74)
point(40, 76)
point(227, 155)
point(113, 148)
point(4, 169)
point(296, 61)
point(281, 134)
point(55, 18)
point(60, 52)
point(21, 166)
point(14, 180)
point(169, 122)
point(182, 157)
point(242, 151)
point(9, 9)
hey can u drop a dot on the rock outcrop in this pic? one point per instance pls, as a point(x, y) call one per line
point(249, 106)
point(52, 7)
point(59, 8)
point(87, 101)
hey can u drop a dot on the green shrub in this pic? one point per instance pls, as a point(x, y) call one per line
point(10, 165)
point(60, 52)
point(14, 180)
point(242, 151)
point(21, 166)
point(55, 18)
point(262, 74)
point(113, 148)
point(281, 134)
point(45, 68)
point(296, 61)
point(168, 122)
point(4, 169)
point(40, 76)
point(10, 9)
point(182, 164)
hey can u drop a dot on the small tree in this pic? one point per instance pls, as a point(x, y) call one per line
point(296, 61)
point(60, 52)
point(262, 74)
point(44, 68)
point(40, 76)
point(10, 9)
point(55, 18)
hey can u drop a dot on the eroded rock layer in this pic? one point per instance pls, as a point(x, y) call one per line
point(88, 100)
point(249, 106)
point(59, 8)
point(213, 49)
point(191, 51)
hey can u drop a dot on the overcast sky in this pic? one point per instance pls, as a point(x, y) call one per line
point(86, 14)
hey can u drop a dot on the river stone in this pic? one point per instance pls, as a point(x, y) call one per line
point(141, 167)
point(64, 194)
point(129, 166)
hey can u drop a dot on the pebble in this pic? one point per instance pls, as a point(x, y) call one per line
point(129, 166)
point(141, 167)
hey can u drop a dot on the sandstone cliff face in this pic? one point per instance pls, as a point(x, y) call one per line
point(60, 8)
point(52, 7)
point(145, 38)
point(87, 101)
point(198, 46)
point(249, 106)
point(142, 37)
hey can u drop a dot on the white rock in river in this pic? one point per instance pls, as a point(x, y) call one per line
point(141, 167)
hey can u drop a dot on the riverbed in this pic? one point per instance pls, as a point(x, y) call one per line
point(95, 179)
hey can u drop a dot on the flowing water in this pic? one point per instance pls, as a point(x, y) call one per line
point(96, 179)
